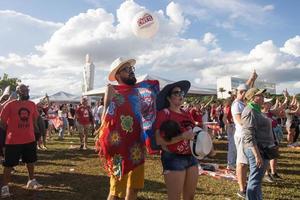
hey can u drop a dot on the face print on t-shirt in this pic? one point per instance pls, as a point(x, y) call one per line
point(24, 115)
point(85, 112)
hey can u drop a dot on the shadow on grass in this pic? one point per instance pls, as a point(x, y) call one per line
point(71, 154)
point(71, 186)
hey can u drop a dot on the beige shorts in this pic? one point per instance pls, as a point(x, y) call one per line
point(83, 128)
point(240, 154)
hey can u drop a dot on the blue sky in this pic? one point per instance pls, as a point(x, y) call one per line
point(262, 33)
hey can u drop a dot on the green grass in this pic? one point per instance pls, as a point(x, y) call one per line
point(71, 174)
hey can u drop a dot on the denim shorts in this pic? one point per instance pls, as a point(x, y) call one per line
point(177, 162)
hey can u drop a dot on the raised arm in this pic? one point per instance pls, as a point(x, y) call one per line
point(209, 102)
point(110, 91)
point(250, 82)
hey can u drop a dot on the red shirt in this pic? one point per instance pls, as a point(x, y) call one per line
point(82, 114)
point(227, 111)
point(19, 116)
point(196, 116)
point(273, 119)
point(213, 113)
point(185, 123)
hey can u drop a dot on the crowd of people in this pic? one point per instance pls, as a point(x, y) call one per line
point(134, 115)
point(26, 127)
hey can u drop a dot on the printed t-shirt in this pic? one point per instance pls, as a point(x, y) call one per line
point(83, 115)
point(19, 116)
point(185, 123)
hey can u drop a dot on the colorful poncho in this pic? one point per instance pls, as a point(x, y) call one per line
point(127, 126)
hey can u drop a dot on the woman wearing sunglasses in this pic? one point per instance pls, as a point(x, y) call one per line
point(180, 168)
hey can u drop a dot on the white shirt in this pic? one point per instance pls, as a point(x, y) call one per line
point(237, 107)
point(98, 112)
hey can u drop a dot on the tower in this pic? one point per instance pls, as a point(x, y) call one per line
point(88, 74)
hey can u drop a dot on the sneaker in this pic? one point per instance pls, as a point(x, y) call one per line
point(13, 170)
point(81, 146)
point(241, 194)
point(276, 176)
point(5, 192)
point(85, 147)
point(33, 184)
point(268, 178)
point(44, 147)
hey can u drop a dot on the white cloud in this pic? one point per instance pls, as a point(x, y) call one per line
point(268, 8)
point(11, 14)
point(59, 64)
point(292, 46)
point(24, 31)
point(174, 11)
point(230, 15)
point(210, 38)
point(236, 10)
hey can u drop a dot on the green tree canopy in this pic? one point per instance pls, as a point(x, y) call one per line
point(6, 81)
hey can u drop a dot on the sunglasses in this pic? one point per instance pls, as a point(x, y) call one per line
point(178, 93)
point(128, 69)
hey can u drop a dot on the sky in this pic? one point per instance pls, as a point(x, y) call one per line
point(44, 43)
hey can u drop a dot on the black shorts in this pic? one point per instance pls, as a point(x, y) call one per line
point(13, 153)
point(2, 137)
point(46, 124)
point(71, 122)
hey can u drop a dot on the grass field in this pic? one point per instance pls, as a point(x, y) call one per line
point(71, 174)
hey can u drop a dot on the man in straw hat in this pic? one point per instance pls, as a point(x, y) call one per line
point(20, 141)
point(129, 111)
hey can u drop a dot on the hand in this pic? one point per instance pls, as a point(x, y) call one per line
point(258, 160)
point(188, 135)
point(254, 75)
point(285, 93)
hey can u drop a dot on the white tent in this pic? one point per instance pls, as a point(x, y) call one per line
point(61, 96)
point(162, 82)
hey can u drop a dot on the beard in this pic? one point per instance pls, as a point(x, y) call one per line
point(24, 97)
point(131, 80)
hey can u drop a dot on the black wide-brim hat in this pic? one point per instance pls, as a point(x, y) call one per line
point(161, 100)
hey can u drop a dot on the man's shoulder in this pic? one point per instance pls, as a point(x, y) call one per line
point(247, 110)
point(237, 104)
point(10, 103)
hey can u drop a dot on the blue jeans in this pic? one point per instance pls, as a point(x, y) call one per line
point(61, 130)
point(231, 154)
point(256, 175)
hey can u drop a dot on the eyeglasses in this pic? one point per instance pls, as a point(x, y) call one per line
point(128, 69)
point(178, 93)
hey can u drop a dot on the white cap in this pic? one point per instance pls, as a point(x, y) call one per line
point(242, 87)
point(267, 100)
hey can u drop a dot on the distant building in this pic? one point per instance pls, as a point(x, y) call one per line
point(229, 83)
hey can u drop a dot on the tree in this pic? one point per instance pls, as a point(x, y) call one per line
point(222, 90)
point(6, 81)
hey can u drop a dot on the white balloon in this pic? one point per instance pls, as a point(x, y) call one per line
point(144, 24)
